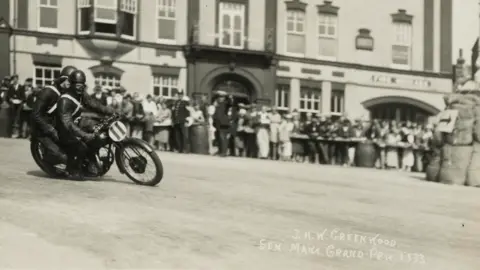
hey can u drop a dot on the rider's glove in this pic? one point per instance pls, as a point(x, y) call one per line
point(89, 137)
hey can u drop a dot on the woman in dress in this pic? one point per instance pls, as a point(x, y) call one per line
point(408, 138)
point(392, 139)
point(263, 140)
point(162, 126)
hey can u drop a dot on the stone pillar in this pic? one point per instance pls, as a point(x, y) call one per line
point(326, 97)
point(294, 93)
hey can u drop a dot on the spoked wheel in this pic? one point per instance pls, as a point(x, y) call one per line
point(142, 166)
point(39, 153)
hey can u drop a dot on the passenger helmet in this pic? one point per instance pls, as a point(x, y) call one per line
point(66, 71)
point(78, 81)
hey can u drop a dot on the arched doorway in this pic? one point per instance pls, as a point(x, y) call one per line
point(239, 87)
point(400, 108)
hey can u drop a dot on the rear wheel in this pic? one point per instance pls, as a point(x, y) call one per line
point(38, 152)
point(135, 160)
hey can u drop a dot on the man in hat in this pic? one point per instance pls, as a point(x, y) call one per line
point(27, 108)
point(99, 95)
point(15, 98)
point(4, 88)
point(221, 121)
point(180, 113)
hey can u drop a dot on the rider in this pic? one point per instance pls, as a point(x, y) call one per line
point(69, 107)
point(43, 114)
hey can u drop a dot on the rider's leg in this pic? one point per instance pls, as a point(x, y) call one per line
point(77, 151)
point(53, 149)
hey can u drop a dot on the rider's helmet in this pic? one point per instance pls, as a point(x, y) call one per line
point(66, 71)
point(78, 81)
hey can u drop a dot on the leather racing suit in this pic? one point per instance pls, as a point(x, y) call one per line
point(43, 121)
point(73, 139)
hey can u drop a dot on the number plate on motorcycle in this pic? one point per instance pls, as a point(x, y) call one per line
point(117, 131)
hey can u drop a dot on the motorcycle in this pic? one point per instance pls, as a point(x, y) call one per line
point(111, 145)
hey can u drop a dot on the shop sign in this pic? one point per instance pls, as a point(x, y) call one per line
point(400, 81)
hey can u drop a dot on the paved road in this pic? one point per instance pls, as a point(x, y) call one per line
point(227, 214)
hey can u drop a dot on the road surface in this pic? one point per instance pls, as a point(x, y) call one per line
point(228, 214)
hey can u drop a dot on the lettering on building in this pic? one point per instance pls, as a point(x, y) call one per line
point(400, 81)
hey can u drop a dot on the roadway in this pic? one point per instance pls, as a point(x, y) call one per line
point(232, 213)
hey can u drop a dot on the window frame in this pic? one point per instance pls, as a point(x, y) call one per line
point(282, 97)
point(39, 16)
point(159, 4)
point(82, 4)
point(232, 13)
point(315, 93)
point(295, 32)
point(124, 8)
point(328, 23)
point(406, 42)
point(333, 99)
point(105, 21)
point(157, 81)
point(103, 76)
point(45, 67)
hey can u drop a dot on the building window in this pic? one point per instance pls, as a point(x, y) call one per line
point(105, 15)
point(337, 101)
point(45, 75)
point(48, 15)
point(327, 35)
point(84, 15)
point(166, 19)
point(231, 24)
point(282, 95)
point(310, 100)
point(402, 45)
point(165, 86)
point(107, 79)
point(128, 8)
point(295, 32)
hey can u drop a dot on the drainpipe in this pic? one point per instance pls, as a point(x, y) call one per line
point(14, 36)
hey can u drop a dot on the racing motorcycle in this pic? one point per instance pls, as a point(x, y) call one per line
point(132, 155)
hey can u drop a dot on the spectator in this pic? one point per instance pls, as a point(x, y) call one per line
point(163, 124)
point(240, 132)
point(312, 130)
point(250, 123)
point(150, 112)
point(221, 121)
point(15, 97)
point(408, 137)
point(117, 106)
point(285, 131)
point(344, 132)
point(4, 88)
point(138, 123)
point(232, 139)
point(263, 141)
point(99, 95)
point(393, 137)
point(27, 109)
point(126, 112)
point(211, 128)
point(322, 146)
point(275, 119)
point(197, 114)
point(180, 114)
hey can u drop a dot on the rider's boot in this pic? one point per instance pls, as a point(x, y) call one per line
point(74, 170)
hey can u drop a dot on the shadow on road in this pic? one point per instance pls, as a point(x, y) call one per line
point(42, 174)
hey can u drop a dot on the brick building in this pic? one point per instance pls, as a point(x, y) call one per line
point(391, 59)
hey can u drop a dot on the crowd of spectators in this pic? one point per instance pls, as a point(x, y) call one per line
point(241, 130)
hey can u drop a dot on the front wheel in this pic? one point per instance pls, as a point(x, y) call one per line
point(134, 158)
